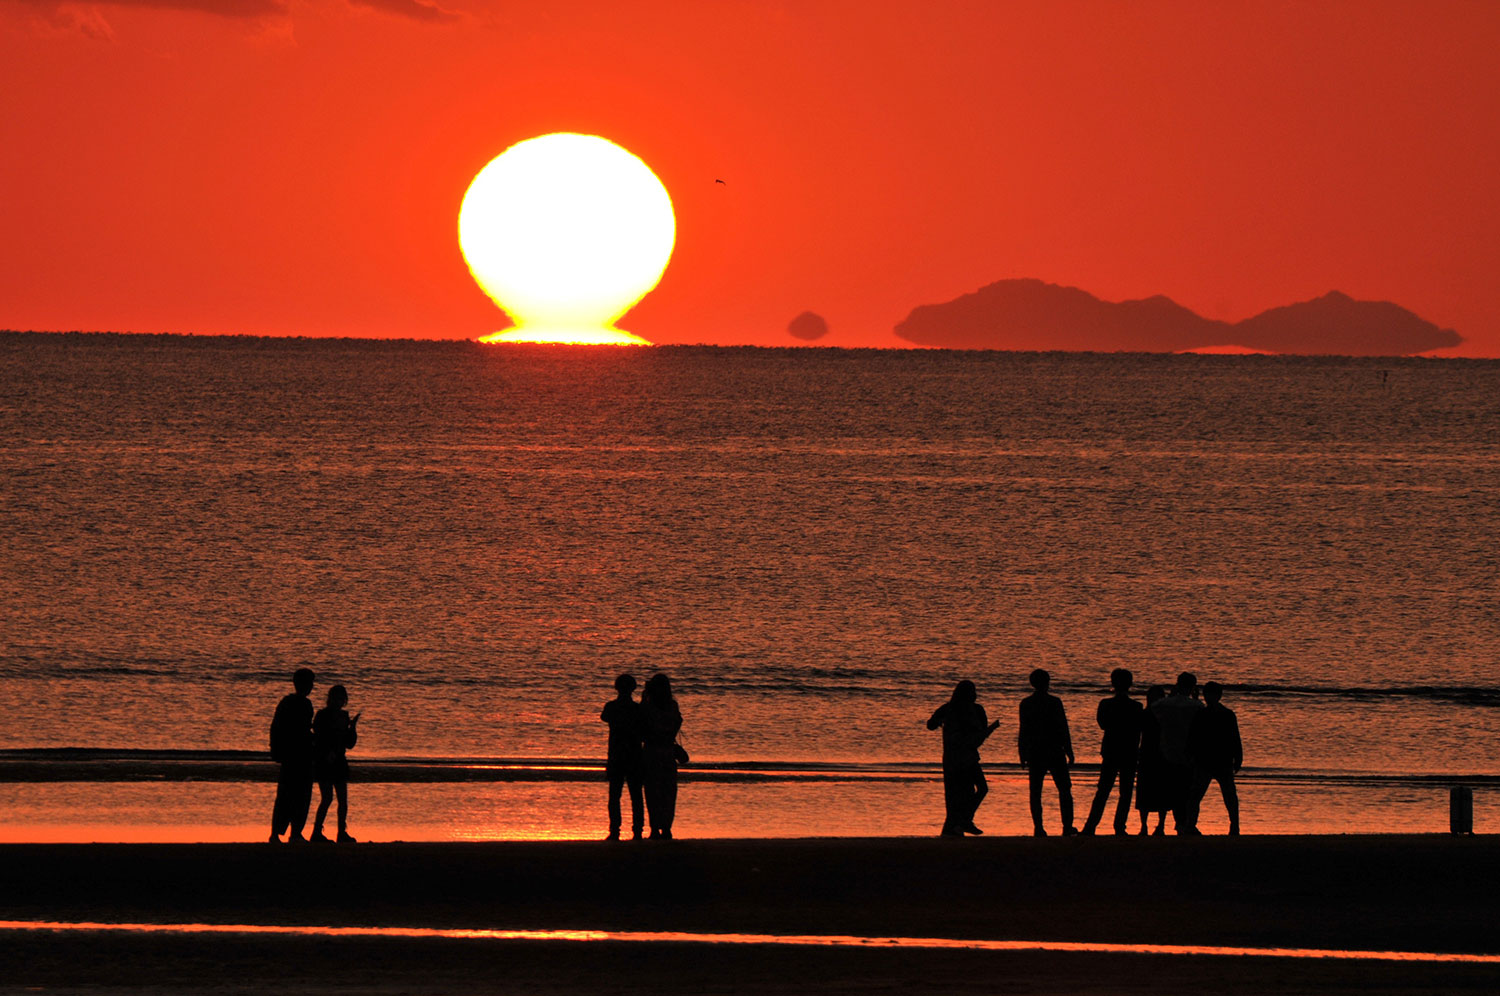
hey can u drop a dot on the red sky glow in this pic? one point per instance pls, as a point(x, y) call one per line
point(289, 167)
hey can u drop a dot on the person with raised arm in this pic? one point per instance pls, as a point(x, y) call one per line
point(965, 727)
point(334, 733)
point(1046, 747)
point(625, 761)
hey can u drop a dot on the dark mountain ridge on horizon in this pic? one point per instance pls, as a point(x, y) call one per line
point(1031, 314)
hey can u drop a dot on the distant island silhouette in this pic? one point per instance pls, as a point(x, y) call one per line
point(808, 326)
point(1029, 314)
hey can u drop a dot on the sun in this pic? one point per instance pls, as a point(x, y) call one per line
point(566, 233)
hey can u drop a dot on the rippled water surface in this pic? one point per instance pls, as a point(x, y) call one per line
point(814, 543)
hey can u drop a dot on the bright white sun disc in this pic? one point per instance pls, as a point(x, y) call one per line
point(566, 233)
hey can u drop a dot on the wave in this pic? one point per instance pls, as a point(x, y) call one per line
point(87, 764)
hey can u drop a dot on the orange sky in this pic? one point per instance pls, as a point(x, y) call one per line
point(296, 166)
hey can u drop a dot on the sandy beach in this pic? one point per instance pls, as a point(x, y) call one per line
point(1358, 893)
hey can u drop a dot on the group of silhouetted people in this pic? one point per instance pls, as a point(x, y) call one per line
point(311, 748)
point(1166, 754)
point(643, 754)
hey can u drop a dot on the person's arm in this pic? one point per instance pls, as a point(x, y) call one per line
point(985, 727)
point(1021, 732)
point(1099, 713)
point(1067, 736)
point(937, 717)
point(1239, 750)
point(604, 713)
point(351, 733)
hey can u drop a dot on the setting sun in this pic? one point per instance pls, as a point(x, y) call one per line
point(566, 233)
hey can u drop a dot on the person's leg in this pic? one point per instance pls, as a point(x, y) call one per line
point(1035, 773)
point(652, 785)
point(301, 800)
point(1127, 783)
point(342, 788)
point(669, 800)
point(1101, 796)
point(616, 782)
point(325, 799)
point(281, 809)
point(1231, 801)
point(1064, 783)
point(1161, 823)
point(955, 789)
point(1190, 801)
point(978, 789)
point(637, 809)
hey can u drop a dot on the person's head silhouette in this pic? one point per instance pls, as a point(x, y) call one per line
point(302, 681)
point(625, 684)
point(964, 692)
point(1041, 680)
point(1187, 683)
point(658, 689)
point(1212, 692)
point(1155, 694)
point(1121, 679)
point(337, 697)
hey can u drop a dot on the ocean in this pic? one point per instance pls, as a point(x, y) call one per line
point(815, 544)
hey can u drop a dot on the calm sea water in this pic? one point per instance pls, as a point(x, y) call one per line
point(814, 543)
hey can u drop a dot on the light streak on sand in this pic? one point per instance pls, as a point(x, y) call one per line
point(789, 940)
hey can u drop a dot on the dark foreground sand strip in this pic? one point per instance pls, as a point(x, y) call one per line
point(790, 940)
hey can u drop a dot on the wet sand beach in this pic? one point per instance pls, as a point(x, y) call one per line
point(1354, 893)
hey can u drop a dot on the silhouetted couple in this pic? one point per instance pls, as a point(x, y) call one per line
point(643, 753)
point(1184, 745)
point(311, 748)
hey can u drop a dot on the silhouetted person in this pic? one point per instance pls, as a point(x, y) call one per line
point(1151, 794)
point(292, 748)
point(1175, 715)
point(1046, 747)
point(660, 721)
point(1120, 719)
point(626, 762)
point(965, 727)
point(333, 733)
point(1217, 752)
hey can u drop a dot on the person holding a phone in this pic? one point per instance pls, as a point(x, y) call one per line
point(333, 734)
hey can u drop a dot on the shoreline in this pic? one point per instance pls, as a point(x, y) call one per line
point(1419, 893)
point(1377, 892)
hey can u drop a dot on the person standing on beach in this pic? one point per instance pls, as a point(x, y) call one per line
point(965, 727)
point(625, 762)
point(1046, 747)
point(1150, 792)
point(1175, 715)
point(292, 748)
point(1120, 719)
point(333, 733)
point(1217, 752)
point(660, 721)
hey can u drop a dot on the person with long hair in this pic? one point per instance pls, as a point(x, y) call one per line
point(660, 721)
point(965, 727)
point(333, 733)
